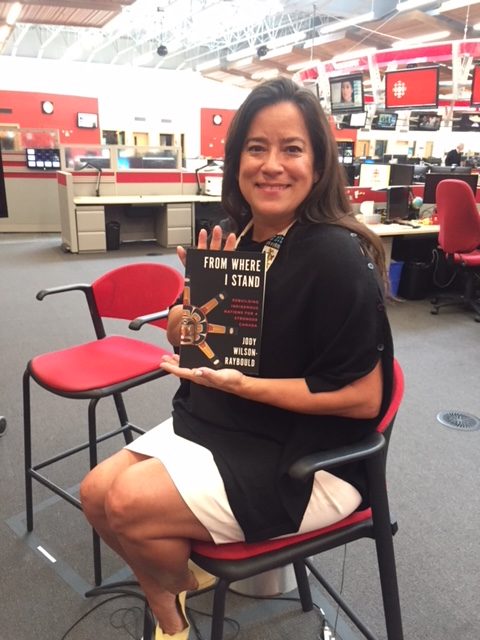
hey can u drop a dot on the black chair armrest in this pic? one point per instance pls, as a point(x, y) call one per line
point(69, 287)
point(304, 468)
point(137, 323)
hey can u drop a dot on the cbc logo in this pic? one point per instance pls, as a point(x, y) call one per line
point(399, 89)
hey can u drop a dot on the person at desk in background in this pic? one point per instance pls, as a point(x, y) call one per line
point(218, 470)
point(454, 156)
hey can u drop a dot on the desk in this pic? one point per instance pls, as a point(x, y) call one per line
point(167, 219)
point(388, 231)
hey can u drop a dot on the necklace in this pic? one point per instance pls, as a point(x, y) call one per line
point(272, 245)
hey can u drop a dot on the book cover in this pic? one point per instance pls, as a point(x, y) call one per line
point(222, 309)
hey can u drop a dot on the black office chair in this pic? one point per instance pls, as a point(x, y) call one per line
point(238, 561)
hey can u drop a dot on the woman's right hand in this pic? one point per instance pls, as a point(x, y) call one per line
point(216, 242)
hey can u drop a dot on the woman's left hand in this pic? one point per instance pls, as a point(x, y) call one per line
point(228, 380)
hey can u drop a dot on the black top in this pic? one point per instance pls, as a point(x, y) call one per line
point(324, 321)
point(453, 157)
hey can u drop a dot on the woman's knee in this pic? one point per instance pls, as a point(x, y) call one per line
point(121, 506)
point(92, 494)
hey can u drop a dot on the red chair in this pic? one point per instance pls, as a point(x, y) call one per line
point(107, 366)
point(238, 561)
point(459, 241)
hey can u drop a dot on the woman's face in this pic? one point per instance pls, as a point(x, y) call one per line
point(276, 164)
point(347, 91)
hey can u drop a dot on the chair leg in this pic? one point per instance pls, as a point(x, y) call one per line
point(122, 416)
point(27, 435)
point(303, 585)
point(218, 615)
point(92, 449)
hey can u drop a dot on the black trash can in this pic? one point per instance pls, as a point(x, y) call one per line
point(113, 235)
point(416, 280)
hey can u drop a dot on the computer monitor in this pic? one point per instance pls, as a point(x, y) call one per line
point(419, 172)
point(455, 169)
point(401, 174)
point(350, 171)
point(397, 203)
point(374, 176)
point(432, 180)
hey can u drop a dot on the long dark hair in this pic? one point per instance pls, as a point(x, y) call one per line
point(327, 201)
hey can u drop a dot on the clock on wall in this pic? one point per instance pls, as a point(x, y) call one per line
point(47, 107)
point(217, 119)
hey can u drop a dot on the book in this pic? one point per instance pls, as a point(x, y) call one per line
point(222, 310)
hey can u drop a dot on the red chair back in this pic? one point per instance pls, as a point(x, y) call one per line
point(136, 290)
point(458, 216)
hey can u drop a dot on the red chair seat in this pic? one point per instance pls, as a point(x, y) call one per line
point(242, 550)
point(96, 365)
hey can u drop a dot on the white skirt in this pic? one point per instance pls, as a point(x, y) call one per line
point(196, 476)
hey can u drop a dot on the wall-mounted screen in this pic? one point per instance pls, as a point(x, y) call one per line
point(475, 96)
point(466, 121)
point(432, 180)
point(346, 93)
point(424, 121)
point(352, 120)
point(385, 121)
point(411, 88)
point(87, 120)
point(43, 159)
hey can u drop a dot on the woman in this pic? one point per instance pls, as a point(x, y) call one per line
point(220, 472)
point(346, 91)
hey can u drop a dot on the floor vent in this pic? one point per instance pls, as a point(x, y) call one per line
point(459, 420)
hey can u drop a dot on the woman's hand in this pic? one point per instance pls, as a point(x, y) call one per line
point(215, 242)
point(229, 380)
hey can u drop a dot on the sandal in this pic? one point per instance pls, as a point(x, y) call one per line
point(205, 580)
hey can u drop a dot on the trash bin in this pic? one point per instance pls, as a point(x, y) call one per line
point(416, 280)
point(113, 235)
point(395, 272)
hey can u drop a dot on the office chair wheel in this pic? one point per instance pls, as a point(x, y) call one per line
point(434, 300)
point(3, 425)
point(434, 312)
point(476, 318)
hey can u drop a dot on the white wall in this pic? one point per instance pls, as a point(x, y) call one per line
point(170, 101)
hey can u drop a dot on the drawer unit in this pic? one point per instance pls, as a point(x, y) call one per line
point(91, 228)
point(90, 219)
point(175, 226)
point(92, 241)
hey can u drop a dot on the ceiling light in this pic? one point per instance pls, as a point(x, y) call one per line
point(317, 41)
point(4, 32)
point(47, 107)
point(476, 27)
point(244, 62)
point(351, 22)
point(209, 64)
point(427, 37)
point(450, 5)
point(292, 38)
point(242, 53)
point(265, 74)
point(305, 64)
point(281, 51)
point(408, 5)
point(14, 12)
point(352, 55)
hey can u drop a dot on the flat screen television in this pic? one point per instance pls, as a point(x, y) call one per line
point(43, 159)
point(384, 121)
point(424, 121)
point(475, 95)
point(451, 169)
point(466, 122)
point(412, 88)
point(432, 180)
point(87, 120)
point(346, 93)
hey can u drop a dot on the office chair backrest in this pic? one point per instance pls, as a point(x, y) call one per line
point(458, 216)
point(136, 290)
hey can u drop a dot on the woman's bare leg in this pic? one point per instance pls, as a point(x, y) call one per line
point(136, 509)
